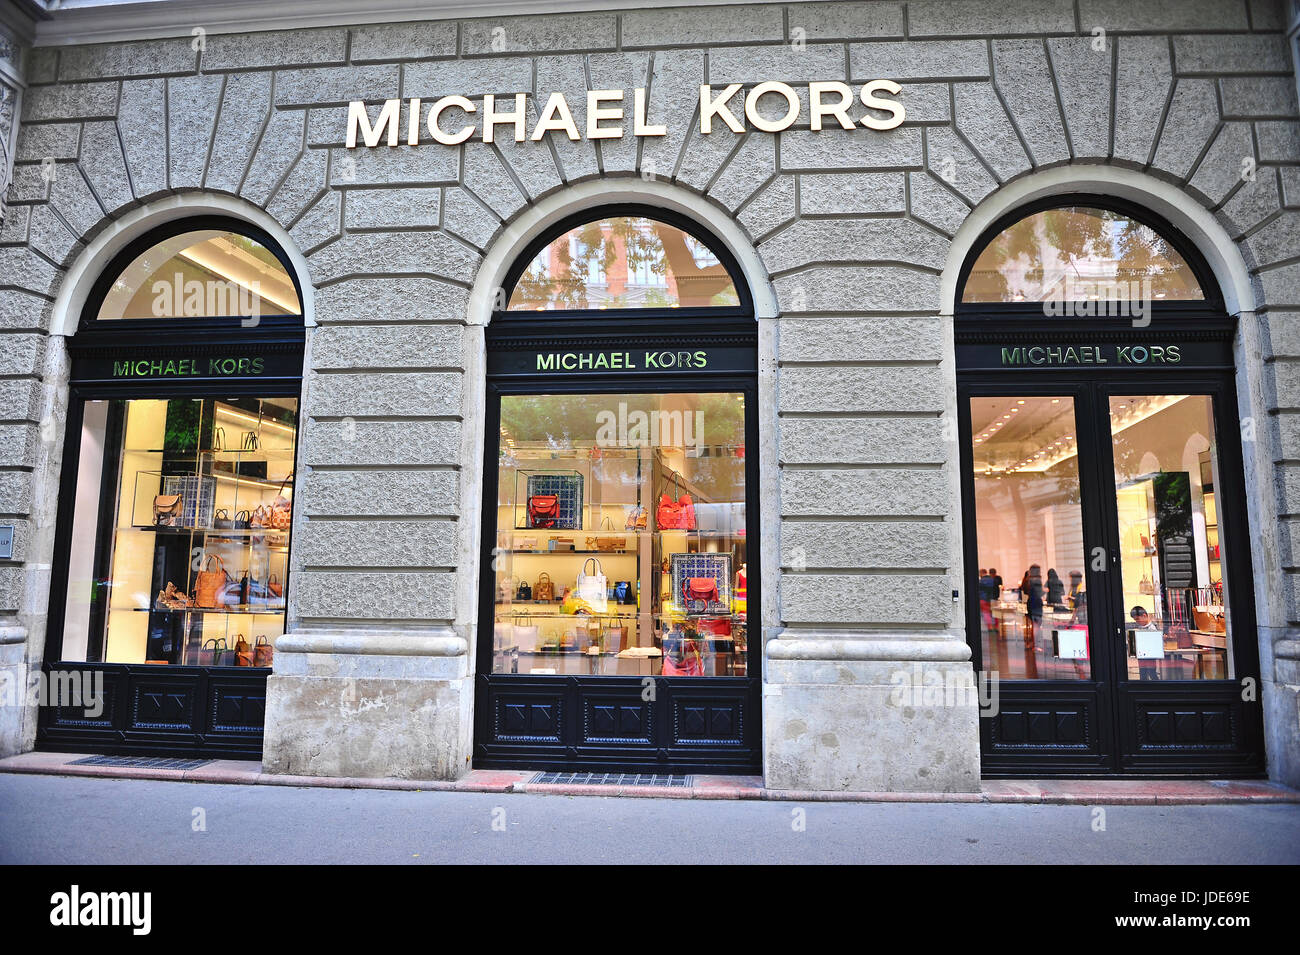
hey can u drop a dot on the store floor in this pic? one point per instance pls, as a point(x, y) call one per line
point(1131, 792)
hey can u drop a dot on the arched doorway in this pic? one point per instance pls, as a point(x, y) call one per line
point(171, 548)
point(618, 589)
point(1107, 565)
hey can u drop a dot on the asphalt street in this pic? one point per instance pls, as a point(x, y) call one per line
point(71, 820)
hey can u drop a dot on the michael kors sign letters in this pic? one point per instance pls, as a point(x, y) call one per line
point(606, 114)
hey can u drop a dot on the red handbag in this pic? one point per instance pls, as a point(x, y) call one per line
point(682, 658)
point(700, 588)
point(543, 510)
point(677, 512)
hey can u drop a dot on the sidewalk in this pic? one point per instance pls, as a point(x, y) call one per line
point(1136, 792)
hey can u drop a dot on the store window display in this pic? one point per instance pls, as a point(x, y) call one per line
point(621, 546)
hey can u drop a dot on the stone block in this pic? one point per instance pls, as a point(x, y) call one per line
point(104, 164)
point(1083, 77)
point(428, 595)
point(472, 78)
point(865, 545)
point(21, 269)
point(403, 41)
point(705, 155)
point(934, 204)
point(1277, 241)
point(487, 179)
point(676, 77)
point(983, 121)
point(274, 49)
point(47, 140)
point(1251, 97)
point(751, 166)
point(466, 217)
point(393, 208)
point(410, 298)
point(18, 445)
point(42, 65)
point(944, 18)
point(1290, 181)
point(16, 492)
point(568, 75)
point(702, 26)
point(866, 599)
point(1281, 286)
point(320, 223)
point(389, 394)
point(278, 150)
point(1280, 333)
point(847, 21)
point(244, 107)
point(839, 441)
point(869, 492)
point(385, 493)
point(619, 71)
point(949, 158)
point(1221, 169)
point(21, 310)
point(844, 149)
point(1024, 80)
point(861, 339)
point(13, 228)
point(858, 289)
point(1217, 53)
point(532, 162)
point(142, 58)
point(336, 84)
point(414, 165)
point(1161, 16)
point(21, 354)
point(1191, 121)
point(553, 33)
point(387, 346)
point(191, 111)
point(30, 183)
point(1255, 201)
point(143, 135)
point(1143, 77)
point(918, 60)
point(871, 389)
point(371, 543)
point(809, 242)
point(813, 739)
point(72, 197)
point(20, 397)
point(781, 64)
point(49, 236)
point(852, 193)
point(65, 101)
point(368, 727)
point(772, 207)
point(353, 443)
point(1278, 141)
point(302, 187)
point(427, 253)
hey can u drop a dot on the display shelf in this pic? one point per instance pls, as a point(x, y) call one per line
point(572, 553)
point(250, 610)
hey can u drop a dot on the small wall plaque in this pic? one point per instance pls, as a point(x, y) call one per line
point(6, 541)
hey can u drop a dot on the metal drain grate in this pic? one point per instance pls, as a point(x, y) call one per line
point(141, 762)
point(614, 779)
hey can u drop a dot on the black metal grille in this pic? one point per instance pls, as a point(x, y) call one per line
point(141, 762)
point(614, 779)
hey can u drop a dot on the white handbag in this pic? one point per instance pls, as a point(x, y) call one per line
point(593, 587)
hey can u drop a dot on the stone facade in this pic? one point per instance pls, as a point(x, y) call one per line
point(855, 231)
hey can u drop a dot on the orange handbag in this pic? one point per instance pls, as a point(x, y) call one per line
point(677, 512)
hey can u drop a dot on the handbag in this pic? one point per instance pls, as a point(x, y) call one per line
point(167, 510)
point(221, 520)
point(250, 442)
point(613, 638)
point(525, 592)
point(623, 591)
point(218, 439)
point(213, 652)
point(676, 512)
point(243, 652)
point(545, 590)
point(209, 584)
point(281, 515)
point(592, 587)
point(699, 590)
point(681, 656)
point(543, 510)
point(243, 520)
point(274, 586)
point(507, 589)
point(263, 652)
point(607, 543)
point(636, 519)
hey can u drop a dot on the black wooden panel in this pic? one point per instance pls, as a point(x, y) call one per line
point(617, 717)
point(163, 704)
point(528, 714)
point(1045, 724)
point(236, 706)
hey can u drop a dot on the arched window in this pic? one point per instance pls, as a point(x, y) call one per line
point(1081, 252)
point(620, 502)
point(1107, 551)
point(171, 561)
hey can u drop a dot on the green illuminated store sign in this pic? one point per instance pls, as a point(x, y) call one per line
point(186, 367)
point(650, 360)
point(1091, 355)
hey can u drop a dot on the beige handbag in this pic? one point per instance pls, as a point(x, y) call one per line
point(168, 510)
point(210, 583)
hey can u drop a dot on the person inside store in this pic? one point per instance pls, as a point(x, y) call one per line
point(1147, 669)
point(1031, 591)
point(988, 591)
point(1055, 588)
point(1079, 608)
point(1076, 585)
